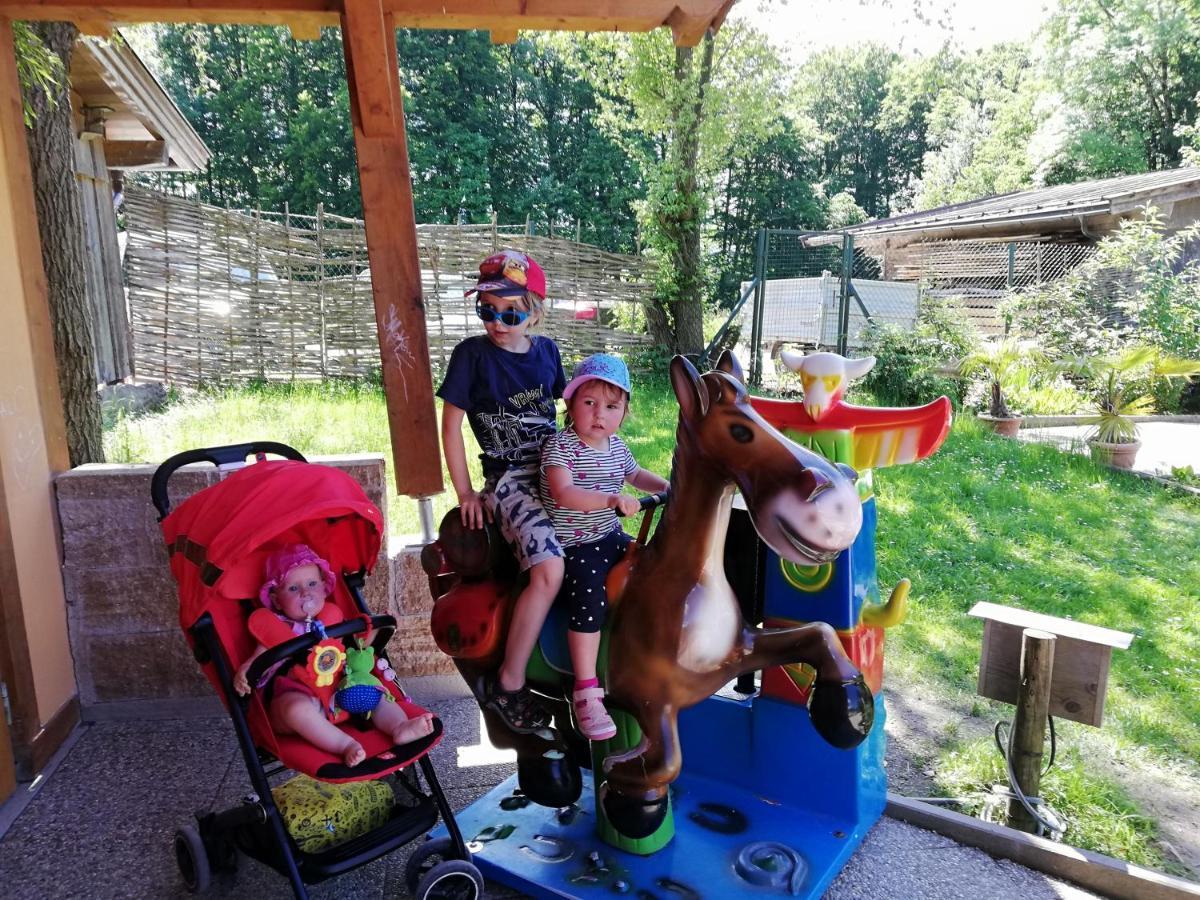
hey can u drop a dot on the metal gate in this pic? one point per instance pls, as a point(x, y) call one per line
point(814, 289)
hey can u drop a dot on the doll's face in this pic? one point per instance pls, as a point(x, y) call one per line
point(301, 593)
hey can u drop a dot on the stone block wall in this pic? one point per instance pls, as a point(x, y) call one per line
point(122, 606)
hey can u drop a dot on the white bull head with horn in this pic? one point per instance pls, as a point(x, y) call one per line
point(825, 377)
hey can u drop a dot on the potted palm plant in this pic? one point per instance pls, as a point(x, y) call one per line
point(1004, 363)
point(1121, 389)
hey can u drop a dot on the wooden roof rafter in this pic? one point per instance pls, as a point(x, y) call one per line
point(687, 19)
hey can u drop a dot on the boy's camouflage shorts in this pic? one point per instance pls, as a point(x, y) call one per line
point(516, 505)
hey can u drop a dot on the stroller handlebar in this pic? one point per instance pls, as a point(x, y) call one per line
point(297, 647)
point(228, 455)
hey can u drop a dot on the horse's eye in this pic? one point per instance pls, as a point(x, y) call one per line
point(741, 434)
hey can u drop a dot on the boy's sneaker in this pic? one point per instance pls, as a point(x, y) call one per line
point(519, 710)
point(594, 721)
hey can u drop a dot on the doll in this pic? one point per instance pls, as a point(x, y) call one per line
point(294, 603)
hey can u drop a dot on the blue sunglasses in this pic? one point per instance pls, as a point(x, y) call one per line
point(510, 317)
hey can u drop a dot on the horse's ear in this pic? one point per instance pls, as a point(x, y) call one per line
point(689, 388)
point(728, 363)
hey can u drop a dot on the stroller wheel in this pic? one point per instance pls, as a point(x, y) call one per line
point(192, 859)
point(427, 857)
point(454, 879)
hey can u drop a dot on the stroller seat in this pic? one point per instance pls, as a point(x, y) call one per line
point(218, 541)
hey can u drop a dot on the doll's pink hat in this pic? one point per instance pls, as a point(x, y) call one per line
point(283, 561)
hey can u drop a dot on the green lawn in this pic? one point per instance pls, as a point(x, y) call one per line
point(984, 519)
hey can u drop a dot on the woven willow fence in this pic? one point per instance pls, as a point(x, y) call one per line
point(976, 275)
point(218, 296)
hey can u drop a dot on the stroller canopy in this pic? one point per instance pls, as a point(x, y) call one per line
point(219, 538)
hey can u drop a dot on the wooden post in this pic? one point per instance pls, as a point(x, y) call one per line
point(1029, 725)
point(377, 114)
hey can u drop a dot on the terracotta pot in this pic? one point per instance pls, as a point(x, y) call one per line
point(1008, 426)
point(1119, 456)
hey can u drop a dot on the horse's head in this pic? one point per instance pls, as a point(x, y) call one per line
point(804, 507)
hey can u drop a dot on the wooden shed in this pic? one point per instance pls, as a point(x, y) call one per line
point(124, 120)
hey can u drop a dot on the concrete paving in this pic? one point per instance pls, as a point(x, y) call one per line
point(100, 823)
point(1165, 445)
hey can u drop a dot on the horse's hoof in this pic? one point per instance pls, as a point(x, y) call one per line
point(632, 817)
point(842, 711)
point(550, 779)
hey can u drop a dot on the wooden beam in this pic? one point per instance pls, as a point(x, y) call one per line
point(687, 30)
point(368, 38)
point(688, 18)
point(1103, 874)
point(395, 273)
point(131, 154)
point(95, 27)
point(305, 29)
point(504, 35)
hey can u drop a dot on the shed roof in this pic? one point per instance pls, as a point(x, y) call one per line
point(1108, 196)
point(144, 128)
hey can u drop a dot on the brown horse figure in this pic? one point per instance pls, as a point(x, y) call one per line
point(677, 634)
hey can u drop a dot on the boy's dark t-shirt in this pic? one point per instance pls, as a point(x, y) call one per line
point(508, 398)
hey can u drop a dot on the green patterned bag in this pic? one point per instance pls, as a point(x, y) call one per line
point(319, 815)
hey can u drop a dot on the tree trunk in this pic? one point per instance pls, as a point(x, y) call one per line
point(684, 225)
point(60, 223)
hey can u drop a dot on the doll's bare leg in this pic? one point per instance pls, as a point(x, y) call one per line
point(391, 720)
point(297, 713)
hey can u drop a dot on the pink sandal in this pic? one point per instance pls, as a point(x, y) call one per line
point(594, 721)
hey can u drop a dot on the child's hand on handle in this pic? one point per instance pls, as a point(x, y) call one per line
point(623, 504)
point(473, 510)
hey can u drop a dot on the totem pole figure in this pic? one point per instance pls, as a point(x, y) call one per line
point(846, 594)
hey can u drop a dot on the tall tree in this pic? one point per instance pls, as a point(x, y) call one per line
point(51, 140)
point(770, 184)
point(980, 127)
point(273, 110)
point(682, 111)
point(1129, 72)
point(870, 107)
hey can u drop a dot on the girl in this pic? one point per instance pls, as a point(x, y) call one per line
point(584, 467)
point(504, 383)
point(294, 602)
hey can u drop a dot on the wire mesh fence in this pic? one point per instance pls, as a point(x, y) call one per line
point(824, 290)
point(219, 295)
point(818, 290)
point(975, 276)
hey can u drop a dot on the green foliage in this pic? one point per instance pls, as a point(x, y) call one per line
point(1099, 814)
point(1121, 385)
point(910, 363)
point(1140, 288)
point(980, 127)
point(1005, 363)
point(870, 109)
point(37, 68)
point(1130, 72)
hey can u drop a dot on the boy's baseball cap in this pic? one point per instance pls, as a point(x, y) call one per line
point(510, 272)
point(599, 367)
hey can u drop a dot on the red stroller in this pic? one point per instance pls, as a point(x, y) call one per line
point(218, 540)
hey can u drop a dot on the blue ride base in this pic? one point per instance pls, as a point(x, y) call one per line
point(797, 809)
